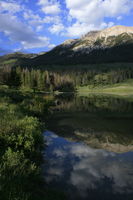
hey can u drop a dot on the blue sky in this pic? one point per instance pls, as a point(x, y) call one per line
point(39, 25)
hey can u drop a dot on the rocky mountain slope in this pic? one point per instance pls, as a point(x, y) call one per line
point(113, 44)
point(110, 45)
point(106, 38)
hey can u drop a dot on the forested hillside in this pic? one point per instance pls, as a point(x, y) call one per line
point(65, 79)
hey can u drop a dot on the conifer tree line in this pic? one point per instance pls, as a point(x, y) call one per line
point(62, 80)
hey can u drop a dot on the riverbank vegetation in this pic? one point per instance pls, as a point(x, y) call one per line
point(22, 117)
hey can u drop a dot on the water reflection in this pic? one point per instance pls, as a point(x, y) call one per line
point(99, 121)
point(89, 152)
point(85, 172)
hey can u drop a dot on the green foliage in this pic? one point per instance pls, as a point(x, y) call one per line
point(66, 87)
point(65, 79)
point(11, 78)
point(17, 173)
point(21, 143)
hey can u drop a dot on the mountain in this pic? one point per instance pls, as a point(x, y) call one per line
point(16, 59)
point(113, 44)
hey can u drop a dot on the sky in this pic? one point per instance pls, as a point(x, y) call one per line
point(34, 26)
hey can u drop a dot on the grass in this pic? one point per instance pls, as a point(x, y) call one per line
point(124, 88)
point(11, 61)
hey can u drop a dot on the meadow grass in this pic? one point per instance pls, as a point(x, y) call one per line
point(124, 88)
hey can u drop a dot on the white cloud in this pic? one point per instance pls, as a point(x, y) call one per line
point(51, 46)
point(39, 28)
point(56, 28)
point(9, 7)
point(38, 42)
point(29, 14)
point(50, 7)
point(27, 34)
point(119, 18)
point(20, 32)
point(43, 2)
point(95, 10)
point(90, 14)
point(79, 29)
point(45, 20)
point(53, 19)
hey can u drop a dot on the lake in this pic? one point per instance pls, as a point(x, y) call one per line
point(89, 152)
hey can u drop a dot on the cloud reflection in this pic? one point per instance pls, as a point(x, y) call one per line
point(84, 168)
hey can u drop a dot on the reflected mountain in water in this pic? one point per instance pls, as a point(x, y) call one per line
point(102, 122)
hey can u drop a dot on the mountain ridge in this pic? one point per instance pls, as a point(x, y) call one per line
point(114, 44)
point(112, 31)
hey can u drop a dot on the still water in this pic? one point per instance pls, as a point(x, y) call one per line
point(89, 149)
